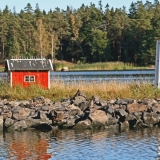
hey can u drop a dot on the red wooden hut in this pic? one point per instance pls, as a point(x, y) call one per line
point(29, 71)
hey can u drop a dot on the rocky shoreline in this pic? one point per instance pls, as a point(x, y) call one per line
point(79, 112)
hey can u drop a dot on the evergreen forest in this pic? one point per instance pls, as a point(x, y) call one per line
point(87, 34)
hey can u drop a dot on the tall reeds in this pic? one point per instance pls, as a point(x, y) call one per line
point(60, 89)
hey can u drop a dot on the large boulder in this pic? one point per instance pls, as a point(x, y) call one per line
point(136, 107)
point(21, 114)
point(19, 125)
point(98, 118)
point(151, 118)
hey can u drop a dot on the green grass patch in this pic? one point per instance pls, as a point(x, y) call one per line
point(58, 65)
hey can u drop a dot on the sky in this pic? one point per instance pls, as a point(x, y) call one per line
point(62, 4)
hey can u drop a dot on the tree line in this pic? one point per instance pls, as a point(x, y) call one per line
point(87, 34)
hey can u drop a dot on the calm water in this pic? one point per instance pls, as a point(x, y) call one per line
point(123, 75)
point(71, 145)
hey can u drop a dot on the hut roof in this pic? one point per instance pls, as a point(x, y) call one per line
point(28, 64)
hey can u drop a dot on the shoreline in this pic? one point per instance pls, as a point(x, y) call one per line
point(79, 112)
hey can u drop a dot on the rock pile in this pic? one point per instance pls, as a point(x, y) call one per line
point(79, 112)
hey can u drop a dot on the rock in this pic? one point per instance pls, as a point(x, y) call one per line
point(151, 118)
point(38, 101)
point(130, 117)
point(34, 114)
point(47, 101)
point(21, 114)
point(74, 110)
point(135, 107)
point(1, 123)
point(124, 125)
point(98, 118)
point(85, 124)
point(103, 103)
point(96, 99)
point(112, 101)
point(83, 106)
point(138, 116)
point(45, 108)
point(145, 101)
point(143, 125)
point(20, 125)
point(69, 123)
point(30, 122)
point(79, 93)
point(124, 101)
point(59, 115)
point(65, 104)
point(6, 114)
point(8, 122)
point(43, 116)
point(110, 110)
point(111, 120)
point(122, 112)
point(156, 108)
point(78, 100)
point(64, 69)
point(79, 112)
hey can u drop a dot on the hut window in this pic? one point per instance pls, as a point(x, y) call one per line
point(29, 78)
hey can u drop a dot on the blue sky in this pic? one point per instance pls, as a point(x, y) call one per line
point(62, 4)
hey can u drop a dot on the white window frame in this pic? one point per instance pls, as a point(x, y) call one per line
point(29, 78)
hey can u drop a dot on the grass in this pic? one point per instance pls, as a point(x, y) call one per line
point(58, 65)
point(1, 68)
point(59, 90)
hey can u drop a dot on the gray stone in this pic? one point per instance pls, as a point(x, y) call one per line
point(45, 108)
point(6, 114)
point(122, 112)
point(83, 106)
point(130, 117)
point(110, 110)
point(151, 118)
point(135, 107)
point(124, 125)
point(20, 125)
point(21, 114)
point(69, 123)
point(98, 118)
point(78, 100)
point(74, 110)
point(85, 124)
point(64, 69)
point(111, 120)
point(8, 122)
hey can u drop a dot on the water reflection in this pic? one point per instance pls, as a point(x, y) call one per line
point(70, 144)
